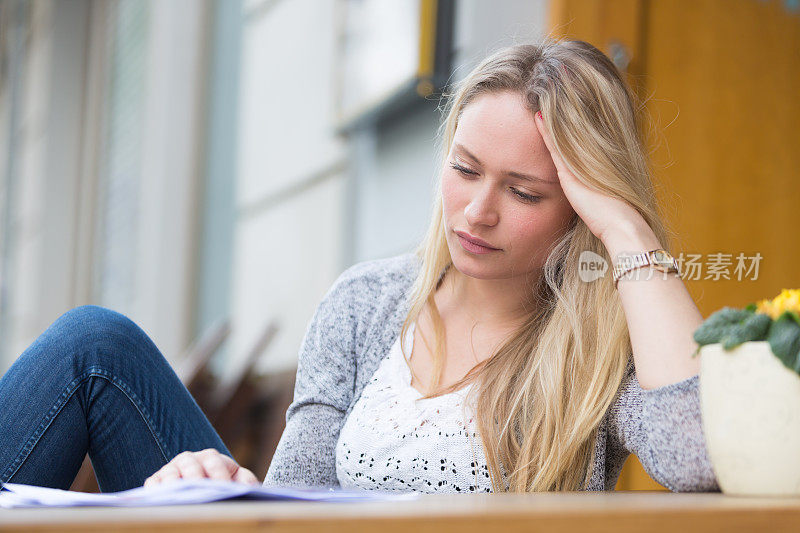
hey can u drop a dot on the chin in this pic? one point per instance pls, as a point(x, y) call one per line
point(472, 266)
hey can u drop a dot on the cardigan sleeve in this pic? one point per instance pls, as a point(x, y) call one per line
point(326, 368)
point(663, 428)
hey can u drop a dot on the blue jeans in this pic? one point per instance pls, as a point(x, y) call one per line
point(94, 382)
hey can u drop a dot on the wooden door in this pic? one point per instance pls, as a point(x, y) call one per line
point(722, 80)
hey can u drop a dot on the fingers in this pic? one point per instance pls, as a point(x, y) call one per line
point(208, 463)
point(188, 466)
point(239, 473)
point(565, 175)
point(244, 475)
point(166, 473)
point(216, 464)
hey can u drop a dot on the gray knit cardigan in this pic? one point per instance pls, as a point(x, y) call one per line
point(353, 329)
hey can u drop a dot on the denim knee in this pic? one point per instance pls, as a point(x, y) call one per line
point(99, 332)
point(100, 319)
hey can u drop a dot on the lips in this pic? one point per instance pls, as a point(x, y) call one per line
point(476, 240)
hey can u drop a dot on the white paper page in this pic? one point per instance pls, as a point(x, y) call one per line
point(182, 491)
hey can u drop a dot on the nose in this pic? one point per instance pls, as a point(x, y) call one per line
point(481, 210)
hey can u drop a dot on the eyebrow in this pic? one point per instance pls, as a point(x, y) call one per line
point(511, 173)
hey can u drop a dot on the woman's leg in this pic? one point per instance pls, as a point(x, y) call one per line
point(94, 381)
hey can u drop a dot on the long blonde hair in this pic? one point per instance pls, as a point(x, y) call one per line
point(541, 396)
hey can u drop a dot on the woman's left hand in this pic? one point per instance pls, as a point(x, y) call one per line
point(208, 463)
point(603, 214)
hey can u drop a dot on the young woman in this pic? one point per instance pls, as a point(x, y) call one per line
point(487, 360)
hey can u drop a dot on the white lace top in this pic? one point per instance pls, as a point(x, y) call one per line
point(393, 441)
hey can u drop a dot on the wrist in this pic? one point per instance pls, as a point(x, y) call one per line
point(629, 238)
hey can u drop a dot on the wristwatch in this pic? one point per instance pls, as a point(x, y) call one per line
point(659, 259)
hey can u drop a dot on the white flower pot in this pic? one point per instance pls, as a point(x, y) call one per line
point(750, 404)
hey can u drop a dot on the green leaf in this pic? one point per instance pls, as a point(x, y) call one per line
point(713, 329)
point(752, 307)
point(792, 314)
point(731, 327)
point(784, 339)
point(753, 328)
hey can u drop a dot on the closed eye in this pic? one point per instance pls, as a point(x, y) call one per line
point(523, 196)
point(526, 197)
point(461, 169)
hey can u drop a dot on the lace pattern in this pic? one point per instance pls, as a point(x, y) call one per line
point(393, 440)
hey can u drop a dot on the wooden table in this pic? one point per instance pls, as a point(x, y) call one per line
point(616, 512)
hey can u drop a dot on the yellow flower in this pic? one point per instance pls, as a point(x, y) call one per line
point(787, 300)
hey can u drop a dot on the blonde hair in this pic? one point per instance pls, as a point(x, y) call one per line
point(541, 396)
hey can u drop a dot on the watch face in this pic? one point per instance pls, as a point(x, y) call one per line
point(662, 257)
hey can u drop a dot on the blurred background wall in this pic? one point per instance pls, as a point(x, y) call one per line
point(196, 161)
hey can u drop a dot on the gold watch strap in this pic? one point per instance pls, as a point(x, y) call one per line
point(659, 259)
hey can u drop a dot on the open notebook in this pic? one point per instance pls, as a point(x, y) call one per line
point(182, 491)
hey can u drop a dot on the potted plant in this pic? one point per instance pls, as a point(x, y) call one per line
point(750, 395)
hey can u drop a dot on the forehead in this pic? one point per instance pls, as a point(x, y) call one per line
point(498, 128)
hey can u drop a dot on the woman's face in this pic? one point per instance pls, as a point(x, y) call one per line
point(485, 193)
